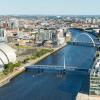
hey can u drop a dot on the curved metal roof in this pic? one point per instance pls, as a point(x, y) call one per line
point(7, 54)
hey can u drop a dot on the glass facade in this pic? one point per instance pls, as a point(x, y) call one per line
point(95, 83)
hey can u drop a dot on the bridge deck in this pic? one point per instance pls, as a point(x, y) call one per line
point(55, 67)
point(90, 44)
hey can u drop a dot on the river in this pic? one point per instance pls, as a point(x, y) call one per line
point(47, 86)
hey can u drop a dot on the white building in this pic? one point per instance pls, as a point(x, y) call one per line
point(7, 54)
point(60, 37)
point(97, 64)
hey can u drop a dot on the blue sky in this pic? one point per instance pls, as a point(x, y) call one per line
point(52, 7)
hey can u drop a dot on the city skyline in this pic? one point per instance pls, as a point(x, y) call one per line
point(49, 7)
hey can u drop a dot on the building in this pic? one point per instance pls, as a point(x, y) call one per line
point(42, 35)
point(3, 35)
point(7, 54)
point(60, 37)
point(95, 79)
point(13, 23)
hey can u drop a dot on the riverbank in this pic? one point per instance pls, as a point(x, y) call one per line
point(4, 79)
point(87, 97)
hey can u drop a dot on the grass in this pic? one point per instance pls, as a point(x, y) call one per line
point(8, 68)
point(37, 54)
point(23, 47)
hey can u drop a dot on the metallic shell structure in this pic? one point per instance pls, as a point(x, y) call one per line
point(7, 54)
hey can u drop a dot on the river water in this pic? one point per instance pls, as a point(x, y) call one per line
point(47, 86)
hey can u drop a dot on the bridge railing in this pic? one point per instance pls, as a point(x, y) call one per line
point(57, 67)
point(83, 43)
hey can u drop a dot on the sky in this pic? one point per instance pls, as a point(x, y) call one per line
point(50, 7)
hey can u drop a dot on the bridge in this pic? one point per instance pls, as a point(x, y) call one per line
point(87, 44)
point(87, 29)
point(57, 69)
point(93, 43)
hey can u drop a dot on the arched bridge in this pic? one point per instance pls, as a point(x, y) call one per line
point(82, 43)
point(88, 44)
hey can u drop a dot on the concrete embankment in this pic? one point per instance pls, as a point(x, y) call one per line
point(82, 96)
point(6, 79)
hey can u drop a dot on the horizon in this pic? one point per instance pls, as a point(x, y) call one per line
point(46, 15)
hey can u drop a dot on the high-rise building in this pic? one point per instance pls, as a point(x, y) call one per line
point(3, 35)
point(14, 23)
point(95, 79)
